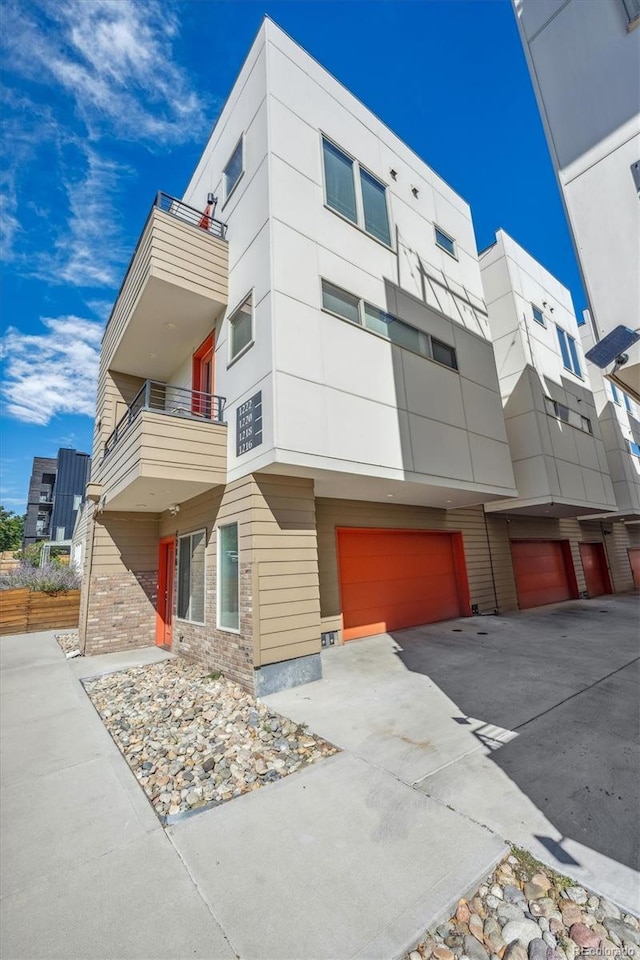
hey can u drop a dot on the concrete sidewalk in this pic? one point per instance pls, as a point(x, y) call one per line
point(341, 860)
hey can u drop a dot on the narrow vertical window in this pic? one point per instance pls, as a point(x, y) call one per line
point(569, 352)
point(339, 182)
point(575, 362)
point(241, 327)
point(374, 202)
point(233, 170)
point(191, 550)
point(228, 579)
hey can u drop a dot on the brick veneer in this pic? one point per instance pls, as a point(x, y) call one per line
point(121, 612)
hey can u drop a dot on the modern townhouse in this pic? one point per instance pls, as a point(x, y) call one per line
point(619, 418)
point(299, 417)
point(559, 455)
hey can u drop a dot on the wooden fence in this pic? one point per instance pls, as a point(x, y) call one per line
point(26, 611)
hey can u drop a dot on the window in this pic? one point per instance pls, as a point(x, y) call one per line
point(368, 209)
point(635, 448)
point(349, 307)
point(241, 328)
point(191, 577)
point(77, 500)
point(233, 170)
point(228, 581)
point(538, 316)
point(615, 393)
point(569, 352)
point(561, 412)
point(445, 242)
point(59, 534)
point(628, 404)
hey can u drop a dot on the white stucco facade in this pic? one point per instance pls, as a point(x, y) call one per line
point(558, 455)
point(362, 416)
point(584, 60)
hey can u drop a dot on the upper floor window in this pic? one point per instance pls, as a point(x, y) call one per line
point(445, 242)
point(355, 193)
point(615, 393)
point(561, 412)
point(538, 315)
point(234, 169)
point(349, 307)
point(628, 404)
point(635, 448)
point(241, 328)
point(569, 351)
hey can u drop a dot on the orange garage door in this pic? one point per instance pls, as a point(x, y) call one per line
point(541, 572)
point(391, 579)
point(634, 560)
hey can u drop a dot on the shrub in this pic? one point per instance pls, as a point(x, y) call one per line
point(50, 578)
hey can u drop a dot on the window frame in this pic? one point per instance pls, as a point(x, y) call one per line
point(615, 393)
point(557, 410)
point(188, 619)
point(229, 193)
point(219, 626)
point(361, 323)
point(541, 322)
point(628, 402)
point(443, 233)
point(356, 167)
point(572, 353)
point(234, 357)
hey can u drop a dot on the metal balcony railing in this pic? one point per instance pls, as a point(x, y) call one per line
point(190, 215)
point(173, 401)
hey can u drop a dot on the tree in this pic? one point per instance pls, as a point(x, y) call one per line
point(11, 530)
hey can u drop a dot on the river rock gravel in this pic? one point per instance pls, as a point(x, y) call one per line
point(69, 643)
point(195, 739)
point(524, 911)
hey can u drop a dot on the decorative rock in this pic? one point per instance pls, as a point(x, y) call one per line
point(609, 949)
point(571, 912)
point(577, 894)
point(463, 913)
point(474, 949)
point(510, 911)
point(492, 902)
point(476, 927)
point(534, 891)
point(477, 906)
point(208, 764)
point(570, 949)
point(555, 926)
point(543, 907)
point(496, 891)
point(584, 937)
point(549, 939)
point(513, 894)
point(493, 936)
point(443, 953)
point(623, 930)
point(523, 930)
point(516, 951)
point(414, 955)
point(537, 949)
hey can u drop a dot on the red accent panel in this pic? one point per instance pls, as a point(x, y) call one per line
point(390, 579)
point(594, 564)
point(634, 560)
point(202, 376)
point(164, 609)
point(543, 571)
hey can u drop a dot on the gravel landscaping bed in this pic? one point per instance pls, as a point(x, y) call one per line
point(524, 911)
point(69, 642)
point(195, 739)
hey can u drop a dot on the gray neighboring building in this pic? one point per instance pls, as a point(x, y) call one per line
point(56, 490)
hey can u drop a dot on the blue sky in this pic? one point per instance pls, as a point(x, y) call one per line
point(107, 101)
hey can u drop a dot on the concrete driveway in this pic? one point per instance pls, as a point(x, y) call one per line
point(526, 723)
point(341, 860)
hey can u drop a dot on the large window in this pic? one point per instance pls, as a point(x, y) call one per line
point(241, 328)
point(349, 307)
point(191, 577)
point(569, 352)
point(233, 170)
point(228, 580)
point(561, 412)
point(354, 193)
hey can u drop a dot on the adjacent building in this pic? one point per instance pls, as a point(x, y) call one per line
point(300, 437)
point(56, 490)
point(559, 456)
point(593, 132)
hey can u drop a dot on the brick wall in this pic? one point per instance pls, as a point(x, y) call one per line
point(121, 612)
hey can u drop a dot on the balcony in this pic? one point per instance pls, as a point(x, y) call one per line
point(170, 445)
point(174, 289)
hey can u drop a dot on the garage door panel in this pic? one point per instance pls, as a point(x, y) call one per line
point(540, 572)
point(395, 579)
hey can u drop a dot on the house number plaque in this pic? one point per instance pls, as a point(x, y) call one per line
point(249, 424)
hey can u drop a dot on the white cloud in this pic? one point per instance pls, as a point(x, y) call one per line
point(52, 373)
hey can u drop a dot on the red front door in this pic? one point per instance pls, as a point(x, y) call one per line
point(202, 379)
point(594, 564)
point(166, 567)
